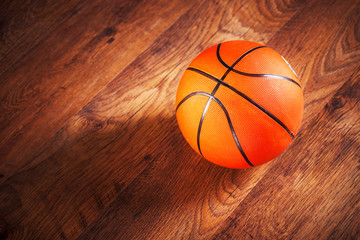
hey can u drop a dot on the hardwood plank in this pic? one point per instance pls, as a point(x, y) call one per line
point(59, 77)
point(119, 167)
point(255, 22)
point(127, 129)
point(204, 222)
point(139, 81)
point(23, 24)
point(316, 194)
point(193, 223)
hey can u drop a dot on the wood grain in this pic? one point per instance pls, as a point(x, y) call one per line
point(55, 81)
point(104, 124)
point(206, 220)
point(25, 23)
point(90, 148)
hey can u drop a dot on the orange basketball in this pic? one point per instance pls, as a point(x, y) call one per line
point(239, 104)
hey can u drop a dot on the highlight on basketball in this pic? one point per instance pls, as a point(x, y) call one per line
point(239, 104)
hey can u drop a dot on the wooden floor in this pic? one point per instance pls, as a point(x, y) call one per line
point(90, 147)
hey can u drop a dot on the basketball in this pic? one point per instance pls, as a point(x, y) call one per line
point(239, 104)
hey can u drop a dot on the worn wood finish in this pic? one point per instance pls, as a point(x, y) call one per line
point(90, 148)
point(55, 81)
point(25, 23)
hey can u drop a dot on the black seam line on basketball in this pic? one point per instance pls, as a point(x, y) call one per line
point(184, 99)
point(200, 124)
point(203, 116)
point(231, 68)
point(216, 88)
point(246, 98)
point(238, 60)
point(227, 118)
point(252, 74)
point(266, 76)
